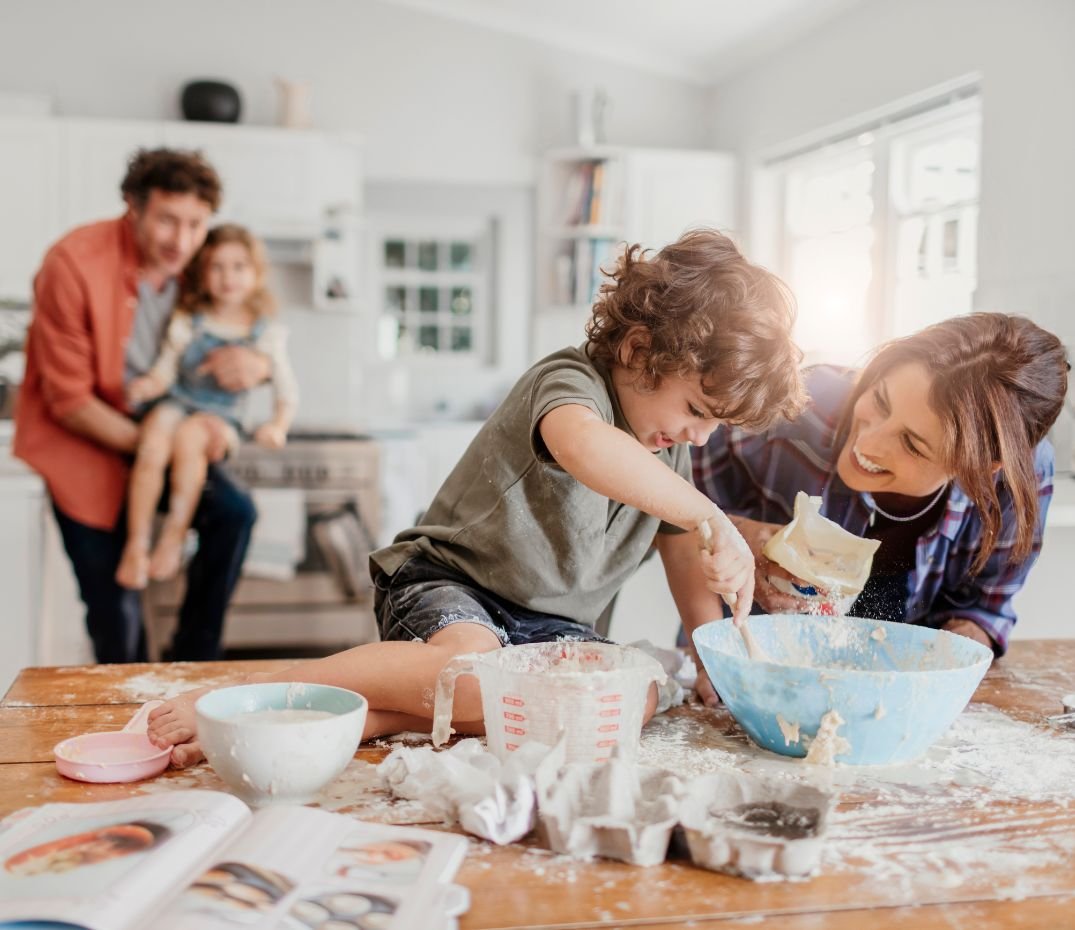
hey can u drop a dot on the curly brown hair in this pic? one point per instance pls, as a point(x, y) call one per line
point(173, 171)
point(703, 309)
point(998, 385)
point(194, 297)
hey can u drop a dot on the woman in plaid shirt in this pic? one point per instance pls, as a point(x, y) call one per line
point(937, 449)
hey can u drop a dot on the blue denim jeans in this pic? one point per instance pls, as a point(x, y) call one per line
point(223, 522)
point(422, 598)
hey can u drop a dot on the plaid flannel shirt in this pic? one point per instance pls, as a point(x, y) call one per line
point(758, 475)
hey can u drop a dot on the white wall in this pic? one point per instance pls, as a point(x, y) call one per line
point(435, 99)
point(437, 388)
point(881, 51)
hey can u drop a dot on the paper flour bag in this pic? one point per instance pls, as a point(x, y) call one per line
point(833, 563)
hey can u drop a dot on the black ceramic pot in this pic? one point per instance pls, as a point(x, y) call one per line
point(211, 101)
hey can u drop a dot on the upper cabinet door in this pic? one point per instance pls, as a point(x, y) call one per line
point(29, 174)
point(272, 177)
point(670, 192)
point(95, 156)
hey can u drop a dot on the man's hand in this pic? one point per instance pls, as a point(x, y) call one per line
point(771, 600)
point(142, 389)
point(236, 368)
point(217, 433)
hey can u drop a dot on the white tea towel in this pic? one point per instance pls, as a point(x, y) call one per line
point(278, 543)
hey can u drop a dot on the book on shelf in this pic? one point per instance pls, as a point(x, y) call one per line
point(582, 293)
point(202, 859)
point(590, 193)
point(577, 192)
point(603, 262)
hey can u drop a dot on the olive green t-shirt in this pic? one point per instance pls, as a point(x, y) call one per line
point(512, 520)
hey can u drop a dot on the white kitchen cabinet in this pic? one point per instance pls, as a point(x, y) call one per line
point(22, 504)
point(302, 191)
point(94, 156)
point(592, 201)
point(276, 180)
point(29, 154)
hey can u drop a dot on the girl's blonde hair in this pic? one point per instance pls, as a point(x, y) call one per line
point(194, 295)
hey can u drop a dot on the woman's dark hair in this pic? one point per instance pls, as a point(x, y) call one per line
point(700, 308)
point(998, 385)
point(172, 171)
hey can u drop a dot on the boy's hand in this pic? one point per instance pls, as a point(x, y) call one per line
point(143, 389)
point(707, 694)
point(728, 565)
point(271, 436)
point(771, 600)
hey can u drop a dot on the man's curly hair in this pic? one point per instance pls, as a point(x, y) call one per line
point(173, 171)
point(703, 309)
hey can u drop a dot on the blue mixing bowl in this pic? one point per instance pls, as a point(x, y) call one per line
point(898, 687)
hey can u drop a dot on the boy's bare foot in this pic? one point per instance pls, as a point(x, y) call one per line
point(187, 754)
point(133, 569)
point(174, 722)
point(167, 555)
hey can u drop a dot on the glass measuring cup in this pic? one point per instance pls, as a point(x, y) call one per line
point(593, 695)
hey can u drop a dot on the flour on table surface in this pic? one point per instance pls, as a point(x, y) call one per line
point(165, 686)
point(909, 824)
point(358, 791)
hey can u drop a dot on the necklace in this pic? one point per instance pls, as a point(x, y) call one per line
point(877, 509)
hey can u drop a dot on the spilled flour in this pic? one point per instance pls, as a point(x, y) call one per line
point(935, 822)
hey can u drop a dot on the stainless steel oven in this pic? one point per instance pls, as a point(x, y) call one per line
point(327, 601)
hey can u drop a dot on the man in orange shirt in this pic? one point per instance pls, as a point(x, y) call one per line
point(102, 299)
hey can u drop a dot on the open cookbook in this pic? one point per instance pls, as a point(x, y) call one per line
point(201, 859)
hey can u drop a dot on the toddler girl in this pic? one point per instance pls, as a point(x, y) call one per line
point(224, 303)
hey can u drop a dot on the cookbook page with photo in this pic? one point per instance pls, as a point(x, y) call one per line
point(306, 869)
point(109, 866)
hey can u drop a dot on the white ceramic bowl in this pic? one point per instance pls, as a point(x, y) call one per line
point(280, 743)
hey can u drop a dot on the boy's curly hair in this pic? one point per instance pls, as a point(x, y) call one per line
point(173, 171)
point(703, 309)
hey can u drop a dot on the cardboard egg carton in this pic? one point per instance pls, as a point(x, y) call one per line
point(755, 828)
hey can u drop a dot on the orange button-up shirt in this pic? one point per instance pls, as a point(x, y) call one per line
point(85, 300)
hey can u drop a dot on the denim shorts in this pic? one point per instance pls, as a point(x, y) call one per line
point(422, 598)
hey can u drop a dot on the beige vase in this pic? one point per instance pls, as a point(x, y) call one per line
point(294, 104)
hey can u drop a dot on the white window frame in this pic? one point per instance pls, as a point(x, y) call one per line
point(477, 230)
point(934, 113)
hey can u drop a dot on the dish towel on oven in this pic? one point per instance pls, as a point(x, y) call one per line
point(344, 543)
point(278, 543)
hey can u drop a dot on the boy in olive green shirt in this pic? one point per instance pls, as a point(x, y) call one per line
point(580, 470)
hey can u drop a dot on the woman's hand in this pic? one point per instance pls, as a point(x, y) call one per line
point(970, 629)
point(771, 600)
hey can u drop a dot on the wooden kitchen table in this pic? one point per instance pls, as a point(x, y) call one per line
point(972, 837)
